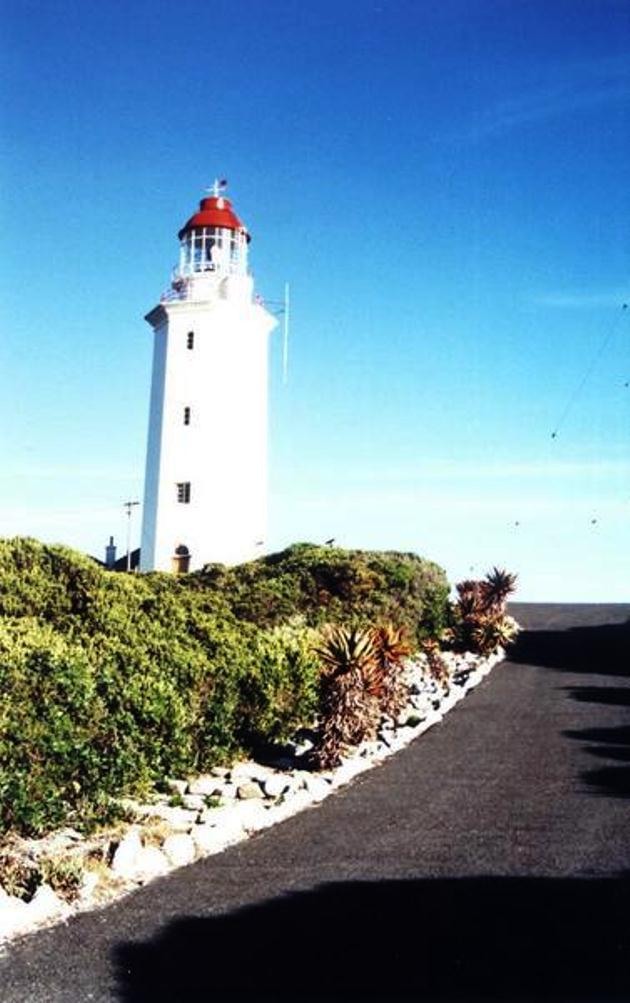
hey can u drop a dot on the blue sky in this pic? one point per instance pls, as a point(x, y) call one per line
point(443, 184)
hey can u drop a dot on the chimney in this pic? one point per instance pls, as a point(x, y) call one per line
point(110, 554)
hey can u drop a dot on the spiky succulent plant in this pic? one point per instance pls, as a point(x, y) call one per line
point(392, 647)
point(346, 649)
point(349, 711)
point(492, 632)
point(479, 620)
point(495, 589)
point(437, 666)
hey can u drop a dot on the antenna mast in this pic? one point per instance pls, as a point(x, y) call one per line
point(128, 506)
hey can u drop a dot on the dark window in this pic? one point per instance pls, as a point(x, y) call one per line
point(183, 492)
point(186, 416)
point(190, 339)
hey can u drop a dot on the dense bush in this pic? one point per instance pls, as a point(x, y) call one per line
point(109, 682)
point(329, 585)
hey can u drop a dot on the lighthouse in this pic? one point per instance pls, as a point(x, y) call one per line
point(205, 496)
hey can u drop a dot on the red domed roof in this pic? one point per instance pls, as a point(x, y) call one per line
point(214, 211)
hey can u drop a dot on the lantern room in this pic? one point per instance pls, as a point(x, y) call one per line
point(213, 240)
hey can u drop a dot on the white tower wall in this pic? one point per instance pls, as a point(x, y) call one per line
point(206, 469)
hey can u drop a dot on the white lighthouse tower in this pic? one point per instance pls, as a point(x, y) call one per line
point(205, 495)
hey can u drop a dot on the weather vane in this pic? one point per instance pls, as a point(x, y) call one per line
point(218, 187)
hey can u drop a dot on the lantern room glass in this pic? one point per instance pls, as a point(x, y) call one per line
point(213, 249)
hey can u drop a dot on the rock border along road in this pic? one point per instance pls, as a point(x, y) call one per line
point(488, 860)
point(252, 796)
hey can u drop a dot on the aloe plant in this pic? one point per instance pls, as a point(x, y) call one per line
point(495, 589)
point(480, 622)
point(349, 709)
point(392, 647)
point(492, 632)
point(437, 666)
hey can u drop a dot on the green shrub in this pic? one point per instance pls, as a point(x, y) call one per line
point(281, 690)
point(83, 723)
point(52, 725)
point(64, 874)
point(109, 682)
point(53, 583)
point(21, 875)
point(330, 585)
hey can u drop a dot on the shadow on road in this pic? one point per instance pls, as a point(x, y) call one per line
point(603, 650)
point(487, 938)
point(613, 696)
point(614, 780)
point(597, 651)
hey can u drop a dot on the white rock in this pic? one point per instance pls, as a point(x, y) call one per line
point(226, 819)
point(179, 849)
point(204, 785)
point(224, 790)
point(276, 784)
point(150, 863)
point(422, 703)
point(304, 746)
point(125, 857)
point(249, 791)
point(179, 819)
point(293, 804)
point(399, 740)
point(14, 916)
point(317, 787)
point(247, 770)
point(89, 885)
point(210, 839)
point(214, 816)
point(349, 769)
point(194, 802)
point(252, 815)
point(46, 904)
point(300, 778)
point(142, 811)
point(449, 701)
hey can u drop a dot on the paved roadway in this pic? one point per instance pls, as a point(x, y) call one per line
point(489, 860)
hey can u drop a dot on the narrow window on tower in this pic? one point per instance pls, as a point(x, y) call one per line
point(183, 492)
point(186, 416)
point(190, 339)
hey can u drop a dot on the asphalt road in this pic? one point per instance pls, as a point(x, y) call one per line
point(489, 860)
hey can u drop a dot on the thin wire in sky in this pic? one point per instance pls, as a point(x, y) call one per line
point(573, 397)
